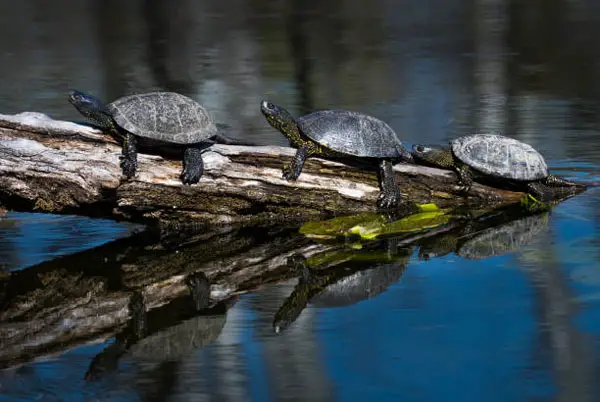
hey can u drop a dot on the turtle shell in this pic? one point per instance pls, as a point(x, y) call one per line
point(351, 133)
point(504, 239)
point(500, 156)
point(164, 116)
point(180, 340)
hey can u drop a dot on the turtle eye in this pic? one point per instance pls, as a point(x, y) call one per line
point(420, 148)
point(270, 105)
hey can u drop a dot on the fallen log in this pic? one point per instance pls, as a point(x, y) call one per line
point(56, 166)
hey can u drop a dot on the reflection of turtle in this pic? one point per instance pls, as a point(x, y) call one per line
point(473, 244)
point(161, 119)
point(336, 287)
point(502, 159)
point(171, 340)
point(341, 134)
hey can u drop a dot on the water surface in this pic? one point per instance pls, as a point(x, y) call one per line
point(518, 326)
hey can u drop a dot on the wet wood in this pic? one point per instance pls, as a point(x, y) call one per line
point(56, 166)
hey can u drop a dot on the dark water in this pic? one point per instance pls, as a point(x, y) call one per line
point(514, 327)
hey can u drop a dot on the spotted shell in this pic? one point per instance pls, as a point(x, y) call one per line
point(164, 116)
point(500, 156)
point(351, 133)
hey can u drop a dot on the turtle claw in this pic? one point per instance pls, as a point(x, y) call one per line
point(199, 287)
point(190, 176)
point(128, 166)
point(193, 166)
point(137, 310)
point(136, 303)
point(464, 190)
point(288, 173)
point(296, 261)
point(388, 200)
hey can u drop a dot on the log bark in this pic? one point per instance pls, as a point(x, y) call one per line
point(55, 166)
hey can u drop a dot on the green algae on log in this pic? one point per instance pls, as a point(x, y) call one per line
point(56, 166)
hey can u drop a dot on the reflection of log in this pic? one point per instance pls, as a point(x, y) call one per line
point(85, 296)
point(56, 166)
point(82, 296)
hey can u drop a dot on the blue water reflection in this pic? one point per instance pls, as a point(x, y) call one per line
point(27, 239)
point(517, 327)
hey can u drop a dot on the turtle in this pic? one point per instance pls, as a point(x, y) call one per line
point(158, 119)
point(497, 158)
point(342, 134)
point(167, 334)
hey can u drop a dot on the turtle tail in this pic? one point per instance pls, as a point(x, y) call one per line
point(225, 140)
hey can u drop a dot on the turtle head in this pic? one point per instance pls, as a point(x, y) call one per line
point(91, 108)
point(282, 120)
point(433, 155)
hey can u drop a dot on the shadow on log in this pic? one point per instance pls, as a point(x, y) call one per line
point(55, 166)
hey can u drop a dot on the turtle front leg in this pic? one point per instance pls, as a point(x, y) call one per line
point(129, 162)
point(465, 178)
point(108, 360)
point(193, 165)
point(199, 287)
point(390, 195)
point(293, 170)
point(138, 325)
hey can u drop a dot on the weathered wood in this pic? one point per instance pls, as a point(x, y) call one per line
point(56, 166)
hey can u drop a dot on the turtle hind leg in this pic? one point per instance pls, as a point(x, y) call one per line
point(541, 192)
point(129, 162)
point(390, 194)
point(193, 165)
point(553, 187)
point(293, 170)
point(199, 287)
